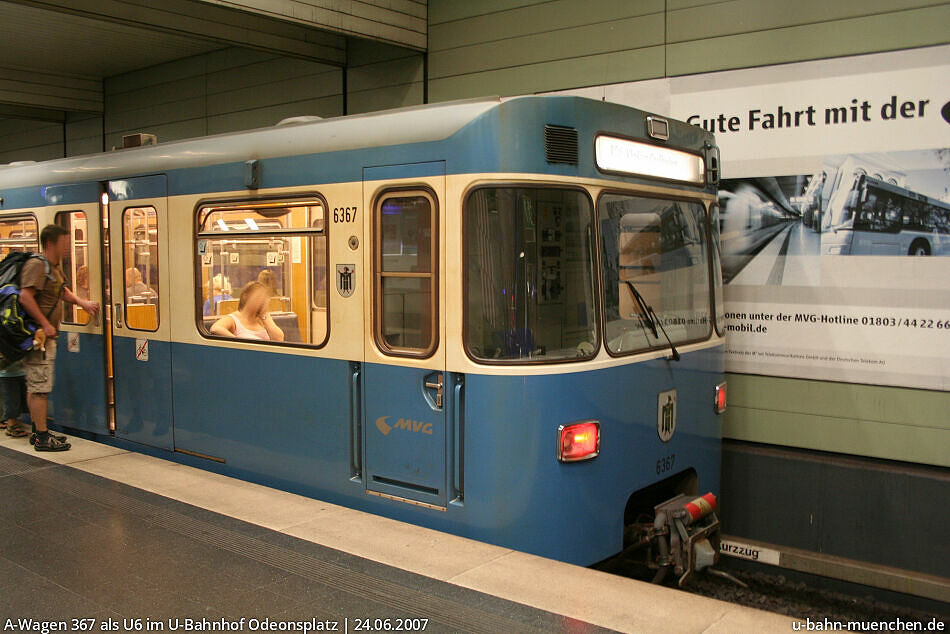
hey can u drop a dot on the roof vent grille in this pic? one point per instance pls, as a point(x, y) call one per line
point(560, 144)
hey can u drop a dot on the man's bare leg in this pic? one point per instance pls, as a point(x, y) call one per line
point(37, 404)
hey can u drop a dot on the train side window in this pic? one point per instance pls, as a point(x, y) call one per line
point(275, 247)
point(76, 263)
point(405, 274)
point(18, 233)
point(141, 268)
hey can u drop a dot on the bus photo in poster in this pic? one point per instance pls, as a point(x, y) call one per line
point(888, 204)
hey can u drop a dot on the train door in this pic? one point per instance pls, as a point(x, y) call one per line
point(406, 392)
point(78, 400)
point(141, 342)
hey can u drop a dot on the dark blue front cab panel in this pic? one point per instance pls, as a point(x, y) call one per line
point(284, 420)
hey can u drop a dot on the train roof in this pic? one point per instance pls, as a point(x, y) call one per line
point(470, 136)
point(415, 124)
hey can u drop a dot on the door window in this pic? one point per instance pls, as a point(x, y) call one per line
point(76, 263)
point(405, 274)
point(140, 267)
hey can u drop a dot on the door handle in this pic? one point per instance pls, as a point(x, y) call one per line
point(356, 415)
point(458, 431)
point(439, 386)
point(117, 316)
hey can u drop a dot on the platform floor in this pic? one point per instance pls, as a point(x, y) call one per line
point(101, 533)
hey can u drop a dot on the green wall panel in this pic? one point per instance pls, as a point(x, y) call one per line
point(746, 16)
point(379, 76)
point(557, 16)
point(568, 45)
point(882, 422)
point(447, 10)
point(869, 34)
point(644, 63)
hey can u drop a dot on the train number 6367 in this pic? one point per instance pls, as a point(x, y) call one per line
point(665, 464)
point(344, 214)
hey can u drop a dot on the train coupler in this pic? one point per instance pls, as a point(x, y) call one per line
point(686, 533)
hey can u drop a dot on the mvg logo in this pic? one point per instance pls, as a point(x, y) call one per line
point(405, 424)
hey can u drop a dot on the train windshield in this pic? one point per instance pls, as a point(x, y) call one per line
point(529, 275)
point(654, 256)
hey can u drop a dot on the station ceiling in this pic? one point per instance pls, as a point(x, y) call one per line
point(67, 44)
point(55, 54)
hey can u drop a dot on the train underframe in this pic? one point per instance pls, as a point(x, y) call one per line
point(670, 531)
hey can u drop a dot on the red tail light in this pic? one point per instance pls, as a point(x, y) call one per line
point(720, 402)
point(580, 441)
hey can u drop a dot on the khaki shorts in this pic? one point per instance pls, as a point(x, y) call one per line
point(40, 368)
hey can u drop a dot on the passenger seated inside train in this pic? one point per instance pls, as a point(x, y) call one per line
point(251, 320)
point(222, 290)
point(268, 279)
point(134, 286)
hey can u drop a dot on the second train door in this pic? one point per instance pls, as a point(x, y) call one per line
point(141, 342)
point(406, 395)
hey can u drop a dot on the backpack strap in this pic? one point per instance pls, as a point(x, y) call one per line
point(49, 276)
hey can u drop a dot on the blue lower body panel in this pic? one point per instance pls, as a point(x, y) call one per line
point(281, 417)
point(143, 393)
point(78, 400)
point(287, 421)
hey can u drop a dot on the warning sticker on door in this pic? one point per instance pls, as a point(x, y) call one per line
point(206, 259)
point(141, 349)
point(72, 341)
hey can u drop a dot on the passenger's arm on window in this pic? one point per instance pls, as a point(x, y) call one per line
point(224, 327)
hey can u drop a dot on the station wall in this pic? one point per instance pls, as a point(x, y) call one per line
point(26, 140)
point(510, 47)
point(222, 91)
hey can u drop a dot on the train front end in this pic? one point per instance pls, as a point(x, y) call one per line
point(592, 333)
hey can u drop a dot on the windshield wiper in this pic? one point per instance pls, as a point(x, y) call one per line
point(648, 315)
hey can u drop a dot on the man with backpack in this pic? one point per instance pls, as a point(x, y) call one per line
point(42, 291)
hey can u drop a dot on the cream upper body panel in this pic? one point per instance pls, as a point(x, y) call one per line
point(351, 318)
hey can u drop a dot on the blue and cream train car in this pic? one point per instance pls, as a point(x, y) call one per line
point(500, 318)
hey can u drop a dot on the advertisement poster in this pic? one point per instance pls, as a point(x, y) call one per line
point(835, 212)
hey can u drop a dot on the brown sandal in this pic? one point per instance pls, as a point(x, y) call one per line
point(17, 430)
